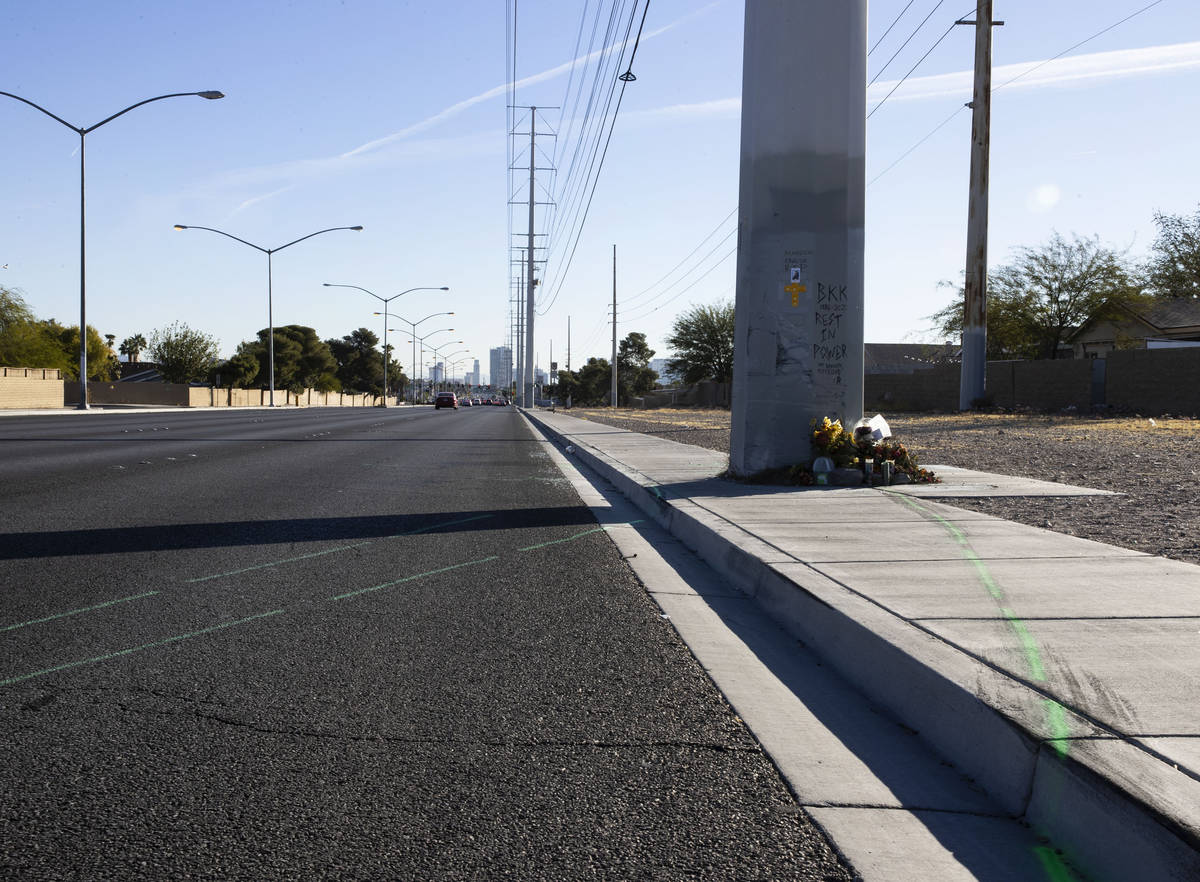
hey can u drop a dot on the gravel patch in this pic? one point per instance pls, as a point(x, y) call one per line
point(1154, 464)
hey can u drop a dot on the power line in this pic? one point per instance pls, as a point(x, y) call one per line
point(599, 168)
point(698, 264)
point(732, 251)
point(959, 109)
point(879, 73)
point(682, 262)
point(895, 21)
point(910, 71)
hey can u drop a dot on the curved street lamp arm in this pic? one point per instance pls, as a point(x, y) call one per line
point(223, 233)
point(309, 236)
point(209, 94)
point(427, 318)
point(332, 285)
point(53, 116)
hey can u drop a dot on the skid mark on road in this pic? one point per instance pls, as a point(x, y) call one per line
point(75, 612)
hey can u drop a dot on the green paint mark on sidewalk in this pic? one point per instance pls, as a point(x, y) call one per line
point(122, 652)
point(75, 612)
point(1052, 865)
point(1057, 725)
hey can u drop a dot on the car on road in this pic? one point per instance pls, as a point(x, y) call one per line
point(445, 399)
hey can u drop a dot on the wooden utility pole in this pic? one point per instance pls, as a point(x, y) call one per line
point(614, 348)
point(973, 378)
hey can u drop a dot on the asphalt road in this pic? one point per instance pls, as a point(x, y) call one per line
point(354, 645)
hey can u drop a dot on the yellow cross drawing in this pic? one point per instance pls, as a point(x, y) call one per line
point(795, 289)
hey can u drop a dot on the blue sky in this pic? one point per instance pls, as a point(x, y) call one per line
point(392, 115)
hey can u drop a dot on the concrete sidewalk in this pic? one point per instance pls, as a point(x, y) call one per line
point(1063, 675)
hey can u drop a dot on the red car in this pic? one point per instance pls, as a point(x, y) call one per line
point(445, 399)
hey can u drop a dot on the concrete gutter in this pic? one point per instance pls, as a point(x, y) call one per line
point(1076, 716)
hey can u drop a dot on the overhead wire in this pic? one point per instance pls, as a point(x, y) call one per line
point(682, 262)
point(1009, 82)
point(595, 178)
point(916, 30)
point(920, 61)
point(895, 21)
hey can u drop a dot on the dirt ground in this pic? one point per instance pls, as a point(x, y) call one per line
point(1153, 463)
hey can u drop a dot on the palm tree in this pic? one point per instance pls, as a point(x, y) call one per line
point(133, 346)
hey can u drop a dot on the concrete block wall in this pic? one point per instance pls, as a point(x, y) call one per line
point(1154, 381)
point(34, 389)
point(1143, 380)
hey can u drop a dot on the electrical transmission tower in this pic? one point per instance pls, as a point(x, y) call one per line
point(528, 248)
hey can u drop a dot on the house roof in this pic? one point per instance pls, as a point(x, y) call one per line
point(1167, 315)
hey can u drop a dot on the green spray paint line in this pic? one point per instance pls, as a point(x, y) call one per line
point(1055, 714)
point(392, 584)
point(1052, 865)
point(131, 650)
point(276, 563)
point(313, 554)
point(599, 529)
point(75, 612)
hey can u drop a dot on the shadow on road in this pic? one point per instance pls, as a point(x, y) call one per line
point(220, 534)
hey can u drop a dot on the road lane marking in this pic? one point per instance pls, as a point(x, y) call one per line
point(121, 652)
point(75, 612)
point(313, 554)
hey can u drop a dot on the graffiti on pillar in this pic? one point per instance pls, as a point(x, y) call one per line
point(793, 356)
point(829, 348)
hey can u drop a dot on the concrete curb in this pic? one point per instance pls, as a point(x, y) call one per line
point(1122, 817)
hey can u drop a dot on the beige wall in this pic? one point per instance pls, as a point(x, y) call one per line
point(30, 388)
point(35, 388)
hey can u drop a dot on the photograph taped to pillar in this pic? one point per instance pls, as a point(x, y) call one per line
point(793, 356)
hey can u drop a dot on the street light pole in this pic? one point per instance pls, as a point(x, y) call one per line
point(83, 132)
point(386, 301)
point(413, 326)
point(436, 350)
point(270, 308)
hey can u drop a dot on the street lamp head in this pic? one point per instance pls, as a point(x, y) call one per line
point(444, 289)
point(211, 95)
point(180, 227)
point(358, 228)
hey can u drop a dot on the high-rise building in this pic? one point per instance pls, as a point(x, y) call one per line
point(437, 373)
point(501, 375)
point(475, 378)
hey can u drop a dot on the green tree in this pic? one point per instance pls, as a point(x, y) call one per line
point(132, 347)
point(587, 386)
point(240, 370)
point(702, 339)
point(634, 376)
point(359, 365)
point(183, 355)
point(1173, 269)
point(302, 360)
point(1044, 293)
point(24, 341)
